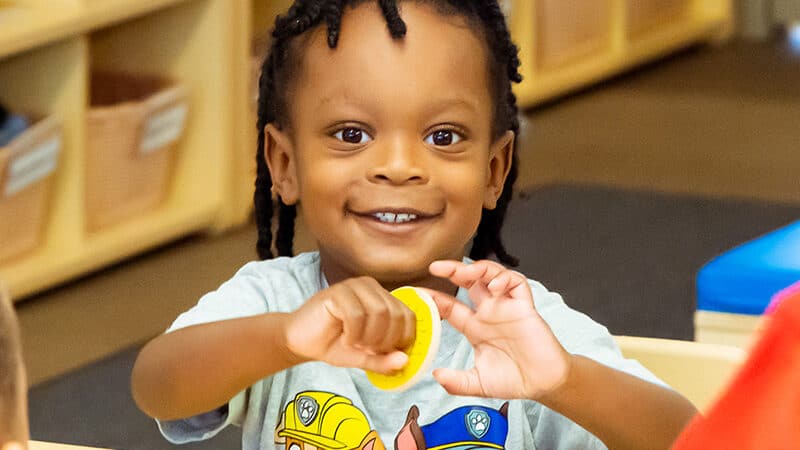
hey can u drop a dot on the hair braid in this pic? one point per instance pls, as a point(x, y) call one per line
point(397, 27)
point(488, 239)
point(285, 238)
point(303, 15)
point(333, 19)
point(263, 191)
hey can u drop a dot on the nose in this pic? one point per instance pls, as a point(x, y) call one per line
point(398, 162)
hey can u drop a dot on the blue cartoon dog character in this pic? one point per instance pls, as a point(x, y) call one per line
point(465, 428)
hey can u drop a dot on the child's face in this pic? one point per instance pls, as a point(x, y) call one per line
point(390, 149)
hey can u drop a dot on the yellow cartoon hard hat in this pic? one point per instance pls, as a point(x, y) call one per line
point(326, 420)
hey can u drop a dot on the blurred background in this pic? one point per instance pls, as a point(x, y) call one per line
point(657, 135)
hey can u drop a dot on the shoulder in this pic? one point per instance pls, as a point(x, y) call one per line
point(576, 331)
point(275, 285)
point(264, 278)
point(582, 335)
point(295, 266)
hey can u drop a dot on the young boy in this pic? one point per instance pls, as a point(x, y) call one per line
point(392, 123)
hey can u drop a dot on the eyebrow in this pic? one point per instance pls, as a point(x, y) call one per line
point(452, 102)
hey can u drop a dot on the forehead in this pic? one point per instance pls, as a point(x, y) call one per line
point(440, 56)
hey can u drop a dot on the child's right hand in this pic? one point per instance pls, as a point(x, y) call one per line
point(354, 323)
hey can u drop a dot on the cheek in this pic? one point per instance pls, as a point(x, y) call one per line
point(467, 188)
point(324, 174)
point(320, 184)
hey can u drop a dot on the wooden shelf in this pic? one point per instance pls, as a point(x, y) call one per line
point(46, 58)
point(582, 49)
point(57, 261)
point(26, 24)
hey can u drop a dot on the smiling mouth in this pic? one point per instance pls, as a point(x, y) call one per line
point(395, 217)
point(389, 217)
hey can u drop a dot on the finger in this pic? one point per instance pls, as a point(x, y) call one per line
point(403, 324)
point(409, 328)
point(392, 334)
point(460, 382)
point(509, 283)
point(444, 268)
point(473, 277)
point(457, 273)
point(451, 310)
point(465, 275)
point(384, 364)
point(485, 271)
point(377, 322)
point(352, 313)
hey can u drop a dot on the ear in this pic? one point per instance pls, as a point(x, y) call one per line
point(500, 158)
point(372, 442)
point(279, 153)
point(413, 414)
point(504, 410)
point(407, 438)
point(410, 436)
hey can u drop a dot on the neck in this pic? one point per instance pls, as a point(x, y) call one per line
point(335, 273)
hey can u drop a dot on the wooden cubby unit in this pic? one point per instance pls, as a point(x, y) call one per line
point(566, 45)
point(46, 58)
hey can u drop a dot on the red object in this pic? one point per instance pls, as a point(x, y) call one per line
point(760, 408)
point(790, 291)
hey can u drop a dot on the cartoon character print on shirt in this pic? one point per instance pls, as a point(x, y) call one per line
point(317, 420)
point(465, 428)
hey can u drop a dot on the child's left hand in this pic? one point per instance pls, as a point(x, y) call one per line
point(516, 354)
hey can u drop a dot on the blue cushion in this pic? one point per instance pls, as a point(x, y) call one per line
point(744, 279)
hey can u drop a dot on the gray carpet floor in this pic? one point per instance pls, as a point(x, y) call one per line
point(626, 258)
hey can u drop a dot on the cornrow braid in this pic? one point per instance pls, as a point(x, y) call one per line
point(283, 60)
point(397, 27)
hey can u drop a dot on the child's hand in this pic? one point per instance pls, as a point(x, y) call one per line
point(354, 323)
point(516, 353)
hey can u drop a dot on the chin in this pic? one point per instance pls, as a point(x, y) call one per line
point(398, 274)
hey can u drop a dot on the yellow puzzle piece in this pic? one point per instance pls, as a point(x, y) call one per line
point(422, 351)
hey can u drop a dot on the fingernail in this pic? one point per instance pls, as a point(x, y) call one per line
point(400, 359)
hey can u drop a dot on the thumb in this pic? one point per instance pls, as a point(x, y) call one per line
point(451, 310)
point(460, 382)
point(384, 364)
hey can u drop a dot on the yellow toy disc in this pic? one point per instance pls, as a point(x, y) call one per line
point(422, 351)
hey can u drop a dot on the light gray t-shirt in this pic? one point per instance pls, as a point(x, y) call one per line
point(316, 406)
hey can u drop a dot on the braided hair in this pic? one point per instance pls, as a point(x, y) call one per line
point(283, 59)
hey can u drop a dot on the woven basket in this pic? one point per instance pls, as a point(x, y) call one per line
point(26, 168)
point(134, 124)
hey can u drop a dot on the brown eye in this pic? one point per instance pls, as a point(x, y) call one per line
point(443, 138)
point(352, 136)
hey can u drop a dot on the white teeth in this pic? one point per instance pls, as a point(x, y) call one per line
point(388, 217)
